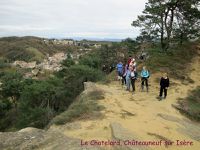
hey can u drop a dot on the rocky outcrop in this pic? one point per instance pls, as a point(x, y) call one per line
point(88, 86)
point(37, 139)
point(187, 128)
point(53, 63)
point(122, 134)
point(24, 64)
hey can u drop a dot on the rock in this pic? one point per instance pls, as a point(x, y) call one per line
point(73, 126)
point(35, 72)
point(188, 128)
point(126, 113)
point(28, 75)
point(191, 129)
point(68, 126)
point(37, 139)
point(160, 137)
point(89, 86)
point(24, 64)
point(169, 118)
point(31, 64)
point(122, 134)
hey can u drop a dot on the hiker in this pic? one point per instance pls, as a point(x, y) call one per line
point(129, 60)
point(144, 78)
point(119, 68)
point(128, 79)
point(164, 85)
point(133, 78)
point(133, 64)
point(125, 68)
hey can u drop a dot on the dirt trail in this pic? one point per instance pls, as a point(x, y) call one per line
point(143, 115)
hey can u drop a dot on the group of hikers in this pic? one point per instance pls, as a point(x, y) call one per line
point(128, 74)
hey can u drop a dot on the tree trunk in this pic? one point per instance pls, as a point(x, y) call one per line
point(162, 33)
point(167, 29)
point(170, 26)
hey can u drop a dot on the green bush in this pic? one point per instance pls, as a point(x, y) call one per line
point(40, 101)
point(191, 105)
point(11, 85)
point(85, 72)
point(5, 105)
point(68, 62)
point(85, 105)
point(92, 61)
point(174, 61)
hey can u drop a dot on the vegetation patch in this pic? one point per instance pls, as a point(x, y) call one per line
point(175, 61)
point(85, 105)
point(38, 56)
point(190, 106)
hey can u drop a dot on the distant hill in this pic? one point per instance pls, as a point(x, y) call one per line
point(98, 39)
point(28, 48)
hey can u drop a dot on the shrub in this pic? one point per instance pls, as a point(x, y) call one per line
point(190, 106)
point(40, 101)
point(68, 62)
point(85, 105)
point(92, 61)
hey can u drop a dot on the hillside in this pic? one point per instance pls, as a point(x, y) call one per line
point(29, 48)
point(119, 115)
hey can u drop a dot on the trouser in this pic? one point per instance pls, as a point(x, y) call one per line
point(163, 89)
point(133, 84)
point(128, 83)
point(123, 80)
point(119, 75)
point(145, 82)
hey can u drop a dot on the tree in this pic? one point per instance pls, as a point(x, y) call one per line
point(12, 86)
point(161, 19)
point(187, 25)
point(40, 101)
point(152, 22)
point(92, 60)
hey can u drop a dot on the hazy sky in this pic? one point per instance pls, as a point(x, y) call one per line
point(70, 18)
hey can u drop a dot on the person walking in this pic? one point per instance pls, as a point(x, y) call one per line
point(129, 60)
point(144, 78)
point(125, 68)
point(164, 85)
point(133, 64)
point(133, 78)
point(119, 68)
point(128, 79)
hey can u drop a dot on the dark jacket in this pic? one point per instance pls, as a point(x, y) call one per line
point(164, 82)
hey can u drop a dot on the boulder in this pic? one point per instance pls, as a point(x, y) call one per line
point(122, 134)
point(188, 127)
point(89, 86)
point(37, 139)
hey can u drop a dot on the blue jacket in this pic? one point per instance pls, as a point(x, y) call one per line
point(145, 74)
point(120, 67)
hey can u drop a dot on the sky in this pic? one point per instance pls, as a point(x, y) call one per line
point(70, 18)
